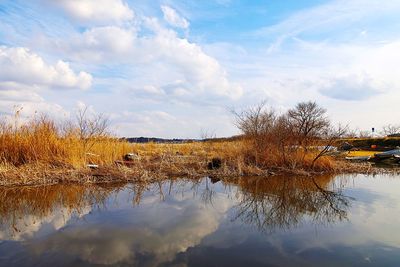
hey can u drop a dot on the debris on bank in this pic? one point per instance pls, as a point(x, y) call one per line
point(359, 159)
point(93, 166)
point(386, 157)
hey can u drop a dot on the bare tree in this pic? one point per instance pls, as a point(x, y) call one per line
point(331, 136)
point(364, 134)
point(91, 127)
point(257, 123)
point(285, 139)
point(391, 129)
point(207, 134)
point(308, 121)
point(351, 133)
point(282, 136)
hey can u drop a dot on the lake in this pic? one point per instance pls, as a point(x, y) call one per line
point(346, 220)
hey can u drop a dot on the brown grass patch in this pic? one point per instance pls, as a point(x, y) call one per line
point(43, 152)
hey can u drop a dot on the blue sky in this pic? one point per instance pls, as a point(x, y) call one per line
point(171, 68)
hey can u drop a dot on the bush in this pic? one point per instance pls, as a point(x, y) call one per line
point(291, 139)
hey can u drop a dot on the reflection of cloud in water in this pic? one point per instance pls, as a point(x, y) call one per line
point(172, 227)
point(372, 222)
point(260, 251)
point(372, 215)
point(27, 226)
point(31, 212)
point(193, 223)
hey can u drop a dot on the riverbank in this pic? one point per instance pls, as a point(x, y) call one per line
point(152, 162)
point(42, 151)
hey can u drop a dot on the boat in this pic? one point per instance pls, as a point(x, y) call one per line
point(388, 154)
point(361, 158)
point(387, 157)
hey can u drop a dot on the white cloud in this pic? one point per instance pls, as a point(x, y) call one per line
point(11, 91)
point(143, 123)
point(28, 102)
point(183, 69)
point(327, 19)
point(336, 51)
point(101, 44)
point(98, 12)
point(351, 87)
point(25, 77)
point(21, 66)
point(195, 71)
point(173, 18)
point(330, 73)
point(171, 120)
point(350, 71)
point(14, 97)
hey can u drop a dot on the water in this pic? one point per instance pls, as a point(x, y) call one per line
point(278, 221)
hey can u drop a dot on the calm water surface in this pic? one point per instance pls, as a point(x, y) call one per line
point(278, 221)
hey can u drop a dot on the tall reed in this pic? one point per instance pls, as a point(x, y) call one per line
point(42, 140)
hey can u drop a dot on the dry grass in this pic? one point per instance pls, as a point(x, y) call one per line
point(42, 141)
point(63, 160)
point(44, 152)
point(237, 158)
point(191, 159)
point(296, 160)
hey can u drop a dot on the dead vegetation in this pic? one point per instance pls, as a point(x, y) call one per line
point(298, 139)
point(42, 151)
point(41, 140)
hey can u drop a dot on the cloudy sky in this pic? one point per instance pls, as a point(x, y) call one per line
point(170, 68)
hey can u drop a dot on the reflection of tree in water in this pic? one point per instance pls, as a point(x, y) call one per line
point(266, 202)
point(208, 194)
point(270, 203)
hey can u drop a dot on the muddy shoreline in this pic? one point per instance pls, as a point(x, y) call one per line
point(140, 172)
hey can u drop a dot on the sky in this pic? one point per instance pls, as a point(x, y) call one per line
point(176, 69)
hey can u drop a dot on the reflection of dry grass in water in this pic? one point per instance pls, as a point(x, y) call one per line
point(25, 205)
point(41, 201)
point(265, 202)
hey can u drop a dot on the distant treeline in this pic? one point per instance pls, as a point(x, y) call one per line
point(177, 140)
point(384, 142)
